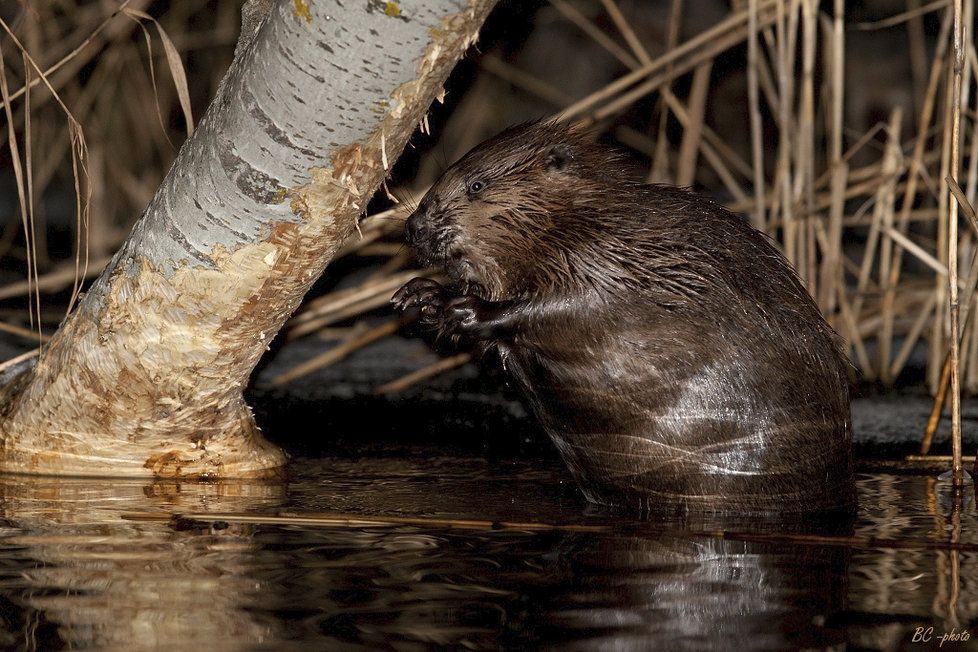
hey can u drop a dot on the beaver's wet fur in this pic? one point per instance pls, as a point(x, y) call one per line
point(665, 345)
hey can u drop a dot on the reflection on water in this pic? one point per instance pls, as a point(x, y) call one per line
point(74, 573)
point(99, 564)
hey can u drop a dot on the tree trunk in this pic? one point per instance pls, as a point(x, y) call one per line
point(146, 375)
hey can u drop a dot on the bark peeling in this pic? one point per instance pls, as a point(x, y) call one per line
point(146, 377)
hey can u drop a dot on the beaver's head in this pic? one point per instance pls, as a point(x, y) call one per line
point(491, 219)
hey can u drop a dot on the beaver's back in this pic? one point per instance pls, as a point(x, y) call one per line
point(694, 368)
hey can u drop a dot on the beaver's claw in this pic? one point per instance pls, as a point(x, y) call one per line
point(428, 296)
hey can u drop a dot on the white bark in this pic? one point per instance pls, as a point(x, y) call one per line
point(146, 376)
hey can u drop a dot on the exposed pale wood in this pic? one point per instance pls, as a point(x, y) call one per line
point(145, 377)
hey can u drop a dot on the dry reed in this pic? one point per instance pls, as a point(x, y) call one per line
point(845, 201)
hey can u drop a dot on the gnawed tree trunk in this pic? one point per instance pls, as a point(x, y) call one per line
point(146, 375)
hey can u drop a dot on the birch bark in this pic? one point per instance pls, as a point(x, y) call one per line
point(146, 376)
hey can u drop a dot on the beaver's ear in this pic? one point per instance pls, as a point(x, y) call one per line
point(559, 157)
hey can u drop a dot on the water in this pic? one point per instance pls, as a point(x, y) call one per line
point(100, 564)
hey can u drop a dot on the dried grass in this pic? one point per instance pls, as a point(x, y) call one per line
point(844, 206)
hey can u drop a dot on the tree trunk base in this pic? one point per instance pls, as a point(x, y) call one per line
point(145, 377)
point(239, 452)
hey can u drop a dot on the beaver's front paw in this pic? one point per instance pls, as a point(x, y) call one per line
point(462, 316)
point(426, 295)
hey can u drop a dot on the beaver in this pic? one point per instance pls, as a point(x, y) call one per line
point(666, 346)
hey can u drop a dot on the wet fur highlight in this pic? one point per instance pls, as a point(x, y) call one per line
point(666, 346)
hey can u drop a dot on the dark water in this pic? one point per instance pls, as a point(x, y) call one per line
point(100, 564)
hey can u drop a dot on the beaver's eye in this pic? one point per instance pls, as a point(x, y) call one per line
point(476, 187)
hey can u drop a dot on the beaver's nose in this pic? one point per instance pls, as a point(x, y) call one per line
point(412, 229)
